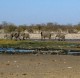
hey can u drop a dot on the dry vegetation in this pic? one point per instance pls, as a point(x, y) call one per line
point(3, 41)
point(28, 44)
point(52, 27)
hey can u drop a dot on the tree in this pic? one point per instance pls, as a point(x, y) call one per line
point(21, 28)
point(9, 28)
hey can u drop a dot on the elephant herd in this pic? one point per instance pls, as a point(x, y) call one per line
point(24, 36)
point(59, 36)
point(17, 36)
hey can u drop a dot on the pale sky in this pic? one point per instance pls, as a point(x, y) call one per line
point(40, 11)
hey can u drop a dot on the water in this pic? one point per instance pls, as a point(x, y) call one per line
point(74, 52)
point(12, 50)
point(25, 51)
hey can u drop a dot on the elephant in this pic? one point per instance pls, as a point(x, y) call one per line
point(20, 36)
point(25, 36)
point(61, 37)
point(15, 35)
point(45, 35)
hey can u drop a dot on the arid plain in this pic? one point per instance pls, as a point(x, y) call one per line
point(39, 66)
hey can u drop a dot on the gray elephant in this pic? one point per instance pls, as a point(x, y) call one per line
point(60, 37)
point(15, 35)
point(25, 36)
point(45, 35)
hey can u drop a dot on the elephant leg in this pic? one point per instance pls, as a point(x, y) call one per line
point(23, 38)
point(44, 38)
point(41, 38)
point(49, 37)
point(59, 39)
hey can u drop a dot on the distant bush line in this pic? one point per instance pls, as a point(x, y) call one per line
point(10, 27)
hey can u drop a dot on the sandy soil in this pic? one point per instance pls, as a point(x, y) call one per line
point(41, 66)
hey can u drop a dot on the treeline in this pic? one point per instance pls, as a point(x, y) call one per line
point(52, 27)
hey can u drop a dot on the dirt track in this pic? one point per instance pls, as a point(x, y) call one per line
point(41, 66)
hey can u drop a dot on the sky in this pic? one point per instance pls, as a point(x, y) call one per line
point(40, 11)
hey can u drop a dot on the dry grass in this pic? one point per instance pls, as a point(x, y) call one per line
point(40, 44)
point(2, 41)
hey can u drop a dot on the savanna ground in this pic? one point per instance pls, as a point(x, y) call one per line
point(39, 66)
